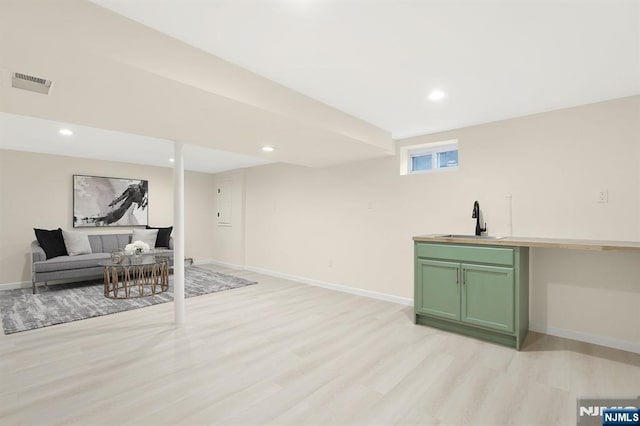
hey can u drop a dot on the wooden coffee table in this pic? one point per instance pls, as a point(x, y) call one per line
point(131, 278)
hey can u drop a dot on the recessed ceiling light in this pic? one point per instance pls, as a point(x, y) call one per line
point(171, 160)
point(66, 132)
point(436, 95)
point(268, 148)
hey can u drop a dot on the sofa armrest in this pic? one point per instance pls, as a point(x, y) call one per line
point(37, 253)
point(171, 243)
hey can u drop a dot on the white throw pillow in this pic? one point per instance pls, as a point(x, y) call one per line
point(76, 242)
point(148, 236)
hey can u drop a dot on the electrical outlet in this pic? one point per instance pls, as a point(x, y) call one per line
point(603, 196)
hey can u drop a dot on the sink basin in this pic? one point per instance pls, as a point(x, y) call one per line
point(471, 237)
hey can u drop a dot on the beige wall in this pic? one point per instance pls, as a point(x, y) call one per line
point(36, 191)
point(352, 224)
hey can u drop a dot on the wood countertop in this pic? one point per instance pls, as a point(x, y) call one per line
point(562, 243)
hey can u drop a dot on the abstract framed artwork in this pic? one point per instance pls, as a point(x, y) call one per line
point(107, 201)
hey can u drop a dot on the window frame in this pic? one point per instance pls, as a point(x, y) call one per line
point(407, 153)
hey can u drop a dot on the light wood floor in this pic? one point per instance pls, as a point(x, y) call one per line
point(281, 352)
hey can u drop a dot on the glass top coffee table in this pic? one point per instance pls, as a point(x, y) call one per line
point(136, 277)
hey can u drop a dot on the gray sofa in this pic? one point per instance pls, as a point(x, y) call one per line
point(83, 266)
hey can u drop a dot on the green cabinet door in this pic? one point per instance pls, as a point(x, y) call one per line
point(438, 288)
point(488, 296)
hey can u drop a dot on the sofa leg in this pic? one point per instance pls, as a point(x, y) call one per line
point(33, 285)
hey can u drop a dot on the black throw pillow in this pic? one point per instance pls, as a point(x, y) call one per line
point(52, 242)
point(164, 235)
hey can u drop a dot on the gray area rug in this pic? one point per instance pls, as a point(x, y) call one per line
point(56, 304)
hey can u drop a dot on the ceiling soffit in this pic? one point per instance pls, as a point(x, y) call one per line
point(110, 72)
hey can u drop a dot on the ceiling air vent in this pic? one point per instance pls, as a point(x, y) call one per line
point(30, 83)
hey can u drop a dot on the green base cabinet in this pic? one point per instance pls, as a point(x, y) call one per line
point(479, 291)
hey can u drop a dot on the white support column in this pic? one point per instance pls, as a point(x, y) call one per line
point(178, 234)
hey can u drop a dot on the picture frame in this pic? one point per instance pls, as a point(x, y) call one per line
point(109, 202)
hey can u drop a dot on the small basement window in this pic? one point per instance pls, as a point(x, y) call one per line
point(428, 157)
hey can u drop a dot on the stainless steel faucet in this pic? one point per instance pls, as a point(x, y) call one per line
point(476, 215)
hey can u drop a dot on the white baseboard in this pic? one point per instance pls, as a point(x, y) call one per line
point(610, 342)
point(13, 286)
point(333, 286)
point(203, 261)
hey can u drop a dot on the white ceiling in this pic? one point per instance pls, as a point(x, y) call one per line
point(377, 60)
point(23, 133)
point(372, 62)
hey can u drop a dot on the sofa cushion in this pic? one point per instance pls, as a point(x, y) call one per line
point(76, 242)
point(51, 242)
point(164, 236)
point(106, 243)
point(62, 263)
